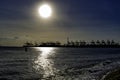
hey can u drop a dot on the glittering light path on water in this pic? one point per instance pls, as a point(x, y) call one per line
point(44, 62)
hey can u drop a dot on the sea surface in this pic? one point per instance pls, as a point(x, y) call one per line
point(52, 63)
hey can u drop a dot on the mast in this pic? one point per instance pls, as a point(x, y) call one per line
point(68, 41)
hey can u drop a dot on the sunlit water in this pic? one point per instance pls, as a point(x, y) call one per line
point(48, 63)
point(44, 62)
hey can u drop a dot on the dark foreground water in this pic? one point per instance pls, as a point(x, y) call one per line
point(57, 63)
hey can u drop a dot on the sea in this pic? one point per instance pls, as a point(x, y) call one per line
point(54, 63)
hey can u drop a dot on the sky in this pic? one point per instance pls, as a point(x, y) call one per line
point(76, 19)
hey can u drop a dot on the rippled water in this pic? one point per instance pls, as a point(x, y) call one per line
point(48, 63)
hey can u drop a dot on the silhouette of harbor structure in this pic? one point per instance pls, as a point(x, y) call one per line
point(80, 43)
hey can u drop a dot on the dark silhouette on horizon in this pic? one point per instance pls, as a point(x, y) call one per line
point(83, 43)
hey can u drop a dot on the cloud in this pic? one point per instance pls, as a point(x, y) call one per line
point(16, 37)
point(15, 40)
point(8, 38)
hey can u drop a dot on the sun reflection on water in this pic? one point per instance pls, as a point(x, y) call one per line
point(44, 62)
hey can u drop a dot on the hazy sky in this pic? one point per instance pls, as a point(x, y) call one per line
point(77, 19)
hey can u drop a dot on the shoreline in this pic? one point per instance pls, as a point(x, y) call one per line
point(62, 46)
point(82, 46)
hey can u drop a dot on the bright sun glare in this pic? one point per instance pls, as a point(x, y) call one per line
point(46, 51)
point(45, 11)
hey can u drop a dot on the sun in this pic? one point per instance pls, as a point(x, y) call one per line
point(45, 11)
